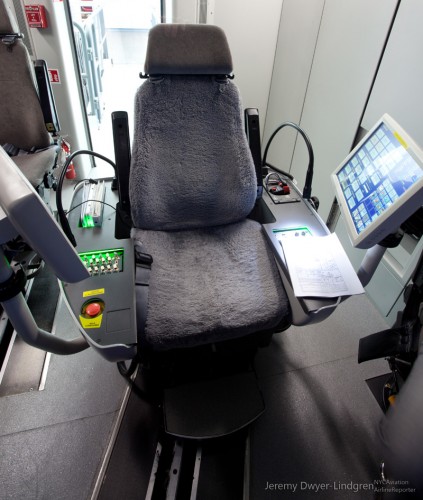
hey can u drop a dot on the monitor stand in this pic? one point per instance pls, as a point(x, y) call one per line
point(374, 255)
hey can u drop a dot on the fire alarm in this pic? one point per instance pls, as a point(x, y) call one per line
point(36, 16)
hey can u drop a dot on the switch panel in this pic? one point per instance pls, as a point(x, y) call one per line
point(103, 262)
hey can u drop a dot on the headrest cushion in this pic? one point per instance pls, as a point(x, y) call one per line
point(187, 49)
point(8, 24)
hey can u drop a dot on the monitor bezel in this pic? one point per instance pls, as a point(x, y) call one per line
point(400, 210)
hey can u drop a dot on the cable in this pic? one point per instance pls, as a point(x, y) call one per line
point(286, 174)
point(83, 181)
point(76, 188)
point(273, 174)
point(330, 306)
point(86, 201)
point(60, 211)
point(309, 176)
point(127, 371)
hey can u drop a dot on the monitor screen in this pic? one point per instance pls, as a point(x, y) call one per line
point(380, 183)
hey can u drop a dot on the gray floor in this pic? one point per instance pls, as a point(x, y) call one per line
point(52, 442)
point(321, 421)
point(319, 427)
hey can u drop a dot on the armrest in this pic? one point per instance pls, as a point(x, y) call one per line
point(122, 148)
point(295, 214)
point(48, 105)
point(252, 129)
point(122, 155)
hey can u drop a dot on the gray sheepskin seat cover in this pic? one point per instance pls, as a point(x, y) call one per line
point(192, 185)
point(191, 166)
point(210, 284)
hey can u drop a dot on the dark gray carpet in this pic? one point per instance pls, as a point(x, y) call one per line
point(321, 421)
point(25, 365)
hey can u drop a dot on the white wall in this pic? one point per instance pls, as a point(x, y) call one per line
point(397, 88)
point(350, 41)
point(184, 11)
point(252, 30)
point(397, 91)
point(298, 32)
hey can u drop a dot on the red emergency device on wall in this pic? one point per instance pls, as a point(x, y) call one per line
point(36, 16)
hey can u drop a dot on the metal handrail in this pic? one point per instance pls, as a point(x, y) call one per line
point(88, 75)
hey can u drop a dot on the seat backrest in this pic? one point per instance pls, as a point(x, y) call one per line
point(22, 122)
point(191, 165)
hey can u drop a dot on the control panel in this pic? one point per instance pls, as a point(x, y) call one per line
point(104, 304)
point(280, 190)
point(103, 262)
point(292, 232)
point(296, 219)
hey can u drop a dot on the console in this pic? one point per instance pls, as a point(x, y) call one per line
point(104, 304)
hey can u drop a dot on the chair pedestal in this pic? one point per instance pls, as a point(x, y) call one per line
point(212, 408)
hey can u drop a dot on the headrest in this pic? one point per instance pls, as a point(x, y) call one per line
point(8, 24)
point(187, 49)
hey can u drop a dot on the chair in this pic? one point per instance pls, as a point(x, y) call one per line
point(23, 128)
point(192, 187)
point(213, 284)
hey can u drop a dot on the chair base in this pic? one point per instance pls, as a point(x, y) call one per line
point(206, 391)
point(212, 408)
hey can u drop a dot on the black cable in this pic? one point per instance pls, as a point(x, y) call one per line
point(60, 211)
point(125, 371)
point(309, 175)
point(86, 201)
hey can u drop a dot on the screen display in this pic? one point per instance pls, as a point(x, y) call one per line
point(379, 173)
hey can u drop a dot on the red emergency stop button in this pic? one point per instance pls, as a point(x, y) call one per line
point(93, 309)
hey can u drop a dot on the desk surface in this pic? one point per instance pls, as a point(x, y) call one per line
point(296, 215)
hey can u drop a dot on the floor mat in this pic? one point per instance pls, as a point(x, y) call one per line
point(25, 364)
point(129, 467)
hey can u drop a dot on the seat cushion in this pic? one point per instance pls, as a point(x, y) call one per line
point(210, 284)
point(22, 121)
point(35, 165)
point(191, 165)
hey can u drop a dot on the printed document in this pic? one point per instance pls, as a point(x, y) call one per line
point(319, 267)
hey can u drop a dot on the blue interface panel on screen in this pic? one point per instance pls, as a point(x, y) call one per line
point(380, 183)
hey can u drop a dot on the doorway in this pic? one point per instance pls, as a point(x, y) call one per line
point(110, 42)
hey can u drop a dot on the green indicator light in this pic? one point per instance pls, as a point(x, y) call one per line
point(102, 262)
point(292, 233)
point(88, 221)
point(305, 228)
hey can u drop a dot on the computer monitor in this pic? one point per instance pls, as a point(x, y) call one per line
point(380, 183)
point(31, 218)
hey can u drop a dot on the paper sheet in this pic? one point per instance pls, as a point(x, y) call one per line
point(319, 267)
